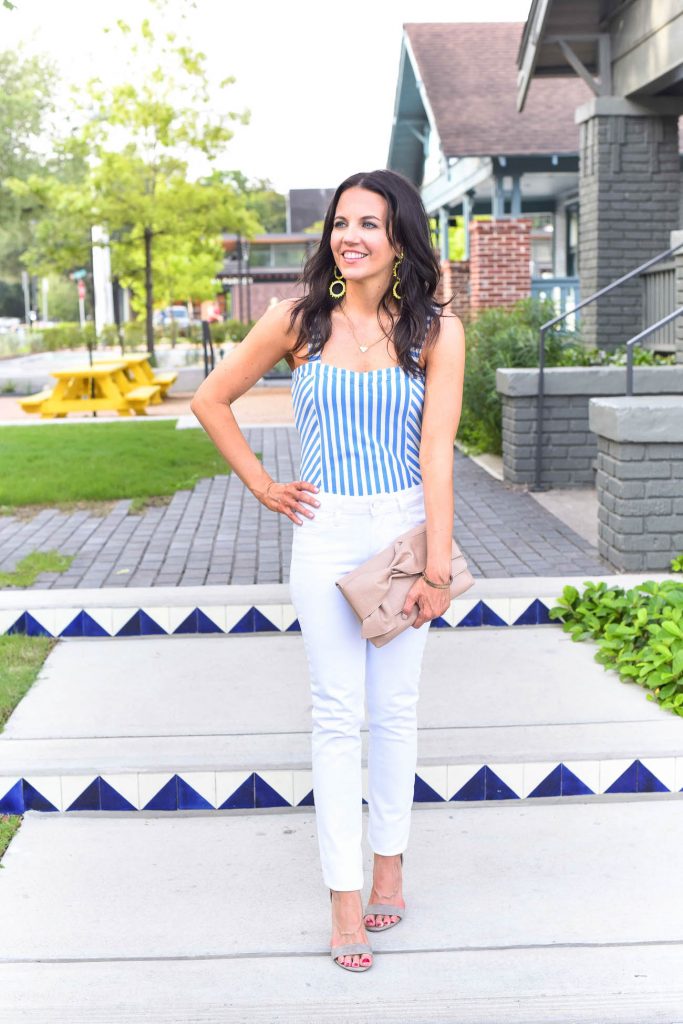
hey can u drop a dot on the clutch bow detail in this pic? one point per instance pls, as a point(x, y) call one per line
point(376, 590)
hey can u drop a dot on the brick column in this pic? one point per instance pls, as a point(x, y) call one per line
point(455, 282)
point(628, 191)
point(639, 479)
point(500, 256)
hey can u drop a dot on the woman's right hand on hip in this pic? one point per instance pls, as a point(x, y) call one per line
point(289, 499)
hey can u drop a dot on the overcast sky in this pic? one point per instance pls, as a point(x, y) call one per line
point(319, 77)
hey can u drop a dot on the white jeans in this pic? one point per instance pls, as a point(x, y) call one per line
point(344, 532)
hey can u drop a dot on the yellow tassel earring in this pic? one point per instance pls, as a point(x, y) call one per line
point(338, 283)
point(397, 283)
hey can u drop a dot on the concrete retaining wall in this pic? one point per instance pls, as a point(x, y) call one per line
point(569, 445)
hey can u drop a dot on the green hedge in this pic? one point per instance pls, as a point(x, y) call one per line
point(508, 337)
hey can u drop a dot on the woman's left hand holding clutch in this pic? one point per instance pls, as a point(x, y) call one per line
point(431, 602)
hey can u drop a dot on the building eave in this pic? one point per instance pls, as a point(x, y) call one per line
point(527, 56)
point(413, 114)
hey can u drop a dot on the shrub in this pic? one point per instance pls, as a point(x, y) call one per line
point(60, 336)
point(509, 337)
point(639, 633)
point(230, 330)
point(500, 337)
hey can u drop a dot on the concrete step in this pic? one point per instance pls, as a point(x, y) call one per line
point(523, 914)
point(204, 722)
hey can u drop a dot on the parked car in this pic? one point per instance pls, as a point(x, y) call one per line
point(172, 314)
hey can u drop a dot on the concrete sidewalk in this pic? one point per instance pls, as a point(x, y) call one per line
point(138, 710)
point(517, 915)
point(547, 792)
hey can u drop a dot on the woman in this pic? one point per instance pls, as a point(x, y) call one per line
point(377, 384)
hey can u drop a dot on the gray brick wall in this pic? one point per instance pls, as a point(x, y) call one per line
point(629, 185)
point(569, 446)
point(640, 503)
point(639, 480)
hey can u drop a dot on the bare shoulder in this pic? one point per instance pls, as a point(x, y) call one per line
point(280, 313)
point(449, 323)
point(449, 342)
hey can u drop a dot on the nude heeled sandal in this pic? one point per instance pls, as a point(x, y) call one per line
point(350, 948)
point(384, 910)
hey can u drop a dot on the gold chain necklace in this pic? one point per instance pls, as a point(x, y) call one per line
point(363, 348)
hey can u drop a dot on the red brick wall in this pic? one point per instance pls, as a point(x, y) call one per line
point(455, 286)
point(500, 254)
point(261, 293)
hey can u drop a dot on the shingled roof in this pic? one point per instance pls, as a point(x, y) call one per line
point(469, 72)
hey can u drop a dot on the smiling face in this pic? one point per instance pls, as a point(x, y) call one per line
point(359, 241)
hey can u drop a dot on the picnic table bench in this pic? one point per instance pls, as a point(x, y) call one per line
point(142, 371)
point(102, 386)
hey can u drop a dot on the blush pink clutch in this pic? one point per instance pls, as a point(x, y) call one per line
point(377, 589)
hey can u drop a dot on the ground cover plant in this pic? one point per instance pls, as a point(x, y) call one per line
point(59, 464)
point(639, 633)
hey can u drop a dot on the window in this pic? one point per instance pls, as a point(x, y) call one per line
point(259, 256)
point(542, 244)
point(289, 255)
point(572, 240)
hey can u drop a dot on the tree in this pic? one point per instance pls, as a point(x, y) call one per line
point(140, 138)
point(27, 85)
point(269, 206)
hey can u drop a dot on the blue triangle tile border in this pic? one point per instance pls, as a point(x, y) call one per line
point(141, 624)
point(255, 620)
point(28, 626)
point(197, 622)
point(83, 625)
point(176, 794)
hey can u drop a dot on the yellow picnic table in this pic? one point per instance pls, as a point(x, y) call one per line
point(85, 388)
point(142, 372)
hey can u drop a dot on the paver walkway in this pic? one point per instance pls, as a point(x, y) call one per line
point(218, 533)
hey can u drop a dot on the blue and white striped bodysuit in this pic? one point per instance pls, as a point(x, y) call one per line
point(359, 430)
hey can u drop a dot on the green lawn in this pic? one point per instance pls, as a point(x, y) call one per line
point(21, 658)
point(9, 823)
point(30, 567)
point(56, 465)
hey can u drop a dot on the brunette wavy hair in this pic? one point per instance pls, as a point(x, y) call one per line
point(408, 230)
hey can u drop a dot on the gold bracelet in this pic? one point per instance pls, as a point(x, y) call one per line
point(438, 586)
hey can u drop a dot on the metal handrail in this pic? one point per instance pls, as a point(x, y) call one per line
point(639, 337)
point(556, 320)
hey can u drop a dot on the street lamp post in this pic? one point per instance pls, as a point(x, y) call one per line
point(240, 285)
point(245, 250)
